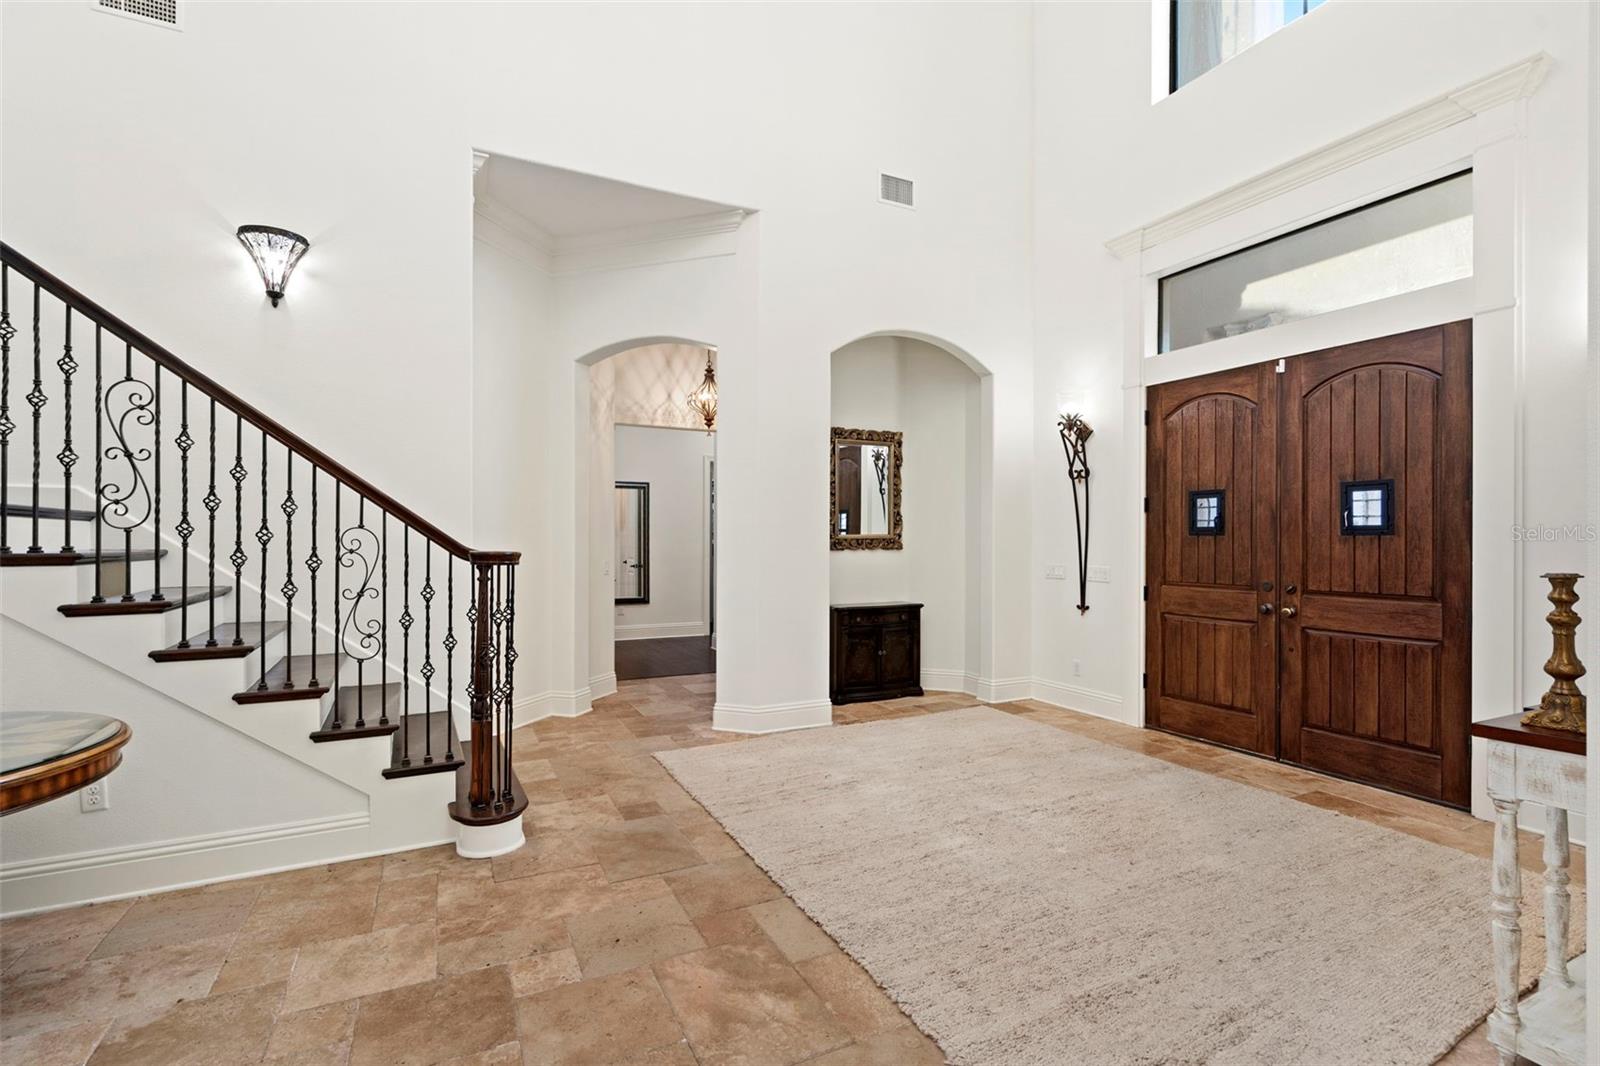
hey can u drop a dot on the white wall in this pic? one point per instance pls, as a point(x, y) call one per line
point(673, 463)
point(899, 383)
point(652, 382)
point(176, 791)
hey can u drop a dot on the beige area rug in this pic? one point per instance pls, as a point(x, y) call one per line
point(1034, 897)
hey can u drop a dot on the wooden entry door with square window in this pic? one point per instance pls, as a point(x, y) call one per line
point(1309, 560)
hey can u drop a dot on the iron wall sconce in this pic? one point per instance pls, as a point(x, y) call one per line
point(275, 252)
point(1075, 434)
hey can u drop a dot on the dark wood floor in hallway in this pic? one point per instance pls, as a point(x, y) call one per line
point(665, 657)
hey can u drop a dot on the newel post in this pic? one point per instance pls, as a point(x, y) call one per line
point(480, 788)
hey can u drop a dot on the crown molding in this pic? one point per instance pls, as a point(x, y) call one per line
point(1518, 81)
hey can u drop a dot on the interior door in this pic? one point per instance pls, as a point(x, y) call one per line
point(1211, 636)
point(1375, 555)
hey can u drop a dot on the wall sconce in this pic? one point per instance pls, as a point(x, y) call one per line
point(703, 400)
point(1075, 434)
point(275, 251)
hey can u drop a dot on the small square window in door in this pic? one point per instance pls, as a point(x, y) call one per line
point(1207, 512)
point(1366, 508)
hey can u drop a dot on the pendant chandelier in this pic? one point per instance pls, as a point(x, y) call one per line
point(703, 400)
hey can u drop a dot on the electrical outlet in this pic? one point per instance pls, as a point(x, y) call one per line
point(94, 797)
point(1055, 573)
point(1077, 668)
point(1101, 574)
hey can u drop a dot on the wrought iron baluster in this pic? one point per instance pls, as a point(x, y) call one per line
point(185, 528)
point(313, 564)
point(383, 663)
point(7, 331)
point(289, 507)
point(449, 650)
point(66, 456)
point(405, 621)
point(511, 662)
point(212, 502)
point(478, 689)
point(238, 558)
point(263, 538)
point(338, 634)
point(99, 469)
point(498, 693)
point(427, 652)
point(155, 595)
point(136, 400)
point(36, 400)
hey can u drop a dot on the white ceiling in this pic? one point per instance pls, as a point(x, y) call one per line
point(565, 203)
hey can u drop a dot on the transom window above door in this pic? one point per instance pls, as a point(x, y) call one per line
point(1410, 241)
point(1208, 33)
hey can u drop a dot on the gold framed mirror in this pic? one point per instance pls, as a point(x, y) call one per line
point(864, 490)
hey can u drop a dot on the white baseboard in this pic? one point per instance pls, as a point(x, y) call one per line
point(1000, 690)
point(552, 705)
point(603, 686)
point(946, 681)
point(772, 718)
point(1075, 698)
point(657, 630)
point(117, 873)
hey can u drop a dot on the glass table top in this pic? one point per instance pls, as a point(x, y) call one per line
point(29, 738)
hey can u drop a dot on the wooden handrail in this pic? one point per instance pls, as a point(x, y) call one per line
point(249, 412)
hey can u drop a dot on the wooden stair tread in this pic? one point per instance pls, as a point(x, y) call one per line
point(250, 635)
point(174, 598)
point(48, 514)
point(417, 727)
point(23, 558)
point(372, 701)
point(297, 667)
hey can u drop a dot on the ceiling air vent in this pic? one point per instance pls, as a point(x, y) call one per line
point(168, 13)
point(893, 190)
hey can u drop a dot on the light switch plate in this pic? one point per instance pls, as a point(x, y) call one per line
point(1055, 573)
point(1100, 573)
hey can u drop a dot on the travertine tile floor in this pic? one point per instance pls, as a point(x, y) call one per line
point(630, 929)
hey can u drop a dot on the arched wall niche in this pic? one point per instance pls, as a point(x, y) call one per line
point(939, 396)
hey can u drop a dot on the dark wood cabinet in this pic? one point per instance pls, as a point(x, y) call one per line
point(874, 651)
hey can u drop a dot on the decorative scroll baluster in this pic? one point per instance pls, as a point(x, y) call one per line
point(313, 564)
point(405, 621)
point(67, 457)
point(511, 662)
point(238, 558)
point(135, 399)
point(212, 502)
point(185, 528)
point(263, 538)
point(155, 594)
point(36, 400)
point(449, 651)
point(7, 331)
point(288, 589)
point(359, 545)
point(99, 470)
point(427, 652)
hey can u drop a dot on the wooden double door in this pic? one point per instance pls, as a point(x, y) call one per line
point(1309, 560)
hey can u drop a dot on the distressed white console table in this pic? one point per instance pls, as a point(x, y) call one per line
point(1543, 766)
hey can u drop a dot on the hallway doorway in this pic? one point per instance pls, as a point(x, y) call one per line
point(1309, 560)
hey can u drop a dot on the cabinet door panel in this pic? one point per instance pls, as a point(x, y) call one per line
point(899, 658)
point(859, 661)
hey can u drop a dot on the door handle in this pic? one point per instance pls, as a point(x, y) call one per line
point(1266, 608)
point(1289, 612)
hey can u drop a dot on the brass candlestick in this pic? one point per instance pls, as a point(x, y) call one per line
point(1563, 707)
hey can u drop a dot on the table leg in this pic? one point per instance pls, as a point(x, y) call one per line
point(1507, 933)
point(1557, 900)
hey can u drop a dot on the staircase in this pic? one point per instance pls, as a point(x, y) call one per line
point(203, 549)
